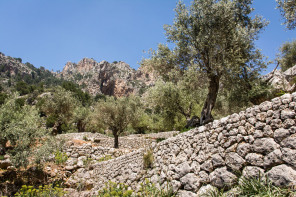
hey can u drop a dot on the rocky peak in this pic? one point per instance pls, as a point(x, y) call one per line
point(116, 79)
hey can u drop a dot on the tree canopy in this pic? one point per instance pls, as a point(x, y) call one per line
point(217, 37)
point(288, 11)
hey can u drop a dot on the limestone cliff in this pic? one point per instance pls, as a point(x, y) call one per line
point(116, 79)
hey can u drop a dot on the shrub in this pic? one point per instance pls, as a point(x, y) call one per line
point(50, 121)
point(114, 189)
point(60, 157)
point(87, 161)
point(159, 139)
point(42, 191)
point(2, 157)
point(105, 158)
point(148, 159)
point(149, 189)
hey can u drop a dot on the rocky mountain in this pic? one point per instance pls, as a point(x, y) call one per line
point(116, 79)
point(13, 70)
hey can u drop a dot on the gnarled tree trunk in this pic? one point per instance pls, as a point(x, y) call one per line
point(116, 143)
point(210, 101)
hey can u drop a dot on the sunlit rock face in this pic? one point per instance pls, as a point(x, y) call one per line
point(114, 79)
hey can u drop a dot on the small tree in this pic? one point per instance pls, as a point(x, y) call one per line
point(288, 55)
point(59, 107)
point(116, 115)
point(288, 10)
point(22, 127)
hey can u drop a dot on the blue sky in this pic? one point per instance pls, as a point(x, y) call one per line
point(51, 32)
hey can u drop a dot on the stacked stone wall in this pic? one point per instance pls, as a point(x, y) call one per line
point(258, 141)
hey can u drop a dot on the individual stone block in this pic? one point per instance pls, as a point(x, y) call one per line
point(280, 134)
point(287, 114)
point(289, 142)
point(222, 178)
point(207, 166)
point(190, 182)
point(203, 177)
point(289, 156)
point(264, 145)
point(282, 175)
point(276, 123)
point(288, 123)
point(217, 161)
point(234, 161)
point(273, 158)
point(255, 159)
point(253, 172)
point(243, 149)
point(265, 106)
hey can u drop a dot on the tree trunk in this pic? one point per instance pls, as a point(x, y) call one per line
point(116, 144)
point(210, 101)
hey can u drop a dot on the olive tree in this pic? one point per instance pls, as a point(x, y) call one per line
point(115, 114)
point(22, 128)
point(288, 10)
point(216, 36)
point(288, 55)
point(59, 108)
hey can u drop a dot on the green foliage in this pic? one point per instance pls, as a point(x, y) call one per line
point(174, 102)
point(87, 161)
point(23, 88)
point(216, 40)
point(160, 139)
point(3, 96)
point(116, 115)
point(42, 191)
point(288, 55)
point(255, 187)
point(262, 187)
point(85, 138)
point(149, 189)
point(59, 107)
point(20, 102)
point(60, 157)
point(105, 158)
point(288, 11)
point(83, 97)
point(50, 121)
point(148, 159)
point(260, 92)
point(115, 190)
point(81, 117)
point(23, 128)
point(1, 157)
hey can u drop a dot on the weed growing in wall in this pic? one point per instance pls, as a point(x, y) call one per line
point(60, 157)
point(148, 159)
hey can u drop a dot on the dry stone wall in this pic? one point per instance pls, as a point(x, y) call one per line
point(260, 140)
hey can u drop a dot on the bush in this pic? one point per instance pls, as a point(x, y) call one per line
point(105, 158)
point(60, 157)
point(50, 121)
point(148, 159)
point(149, 189)
point(42, 191)
point(159, 139)
point(113, 189)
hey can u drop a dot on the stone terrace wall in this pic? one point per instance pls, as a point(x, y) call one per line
point(261, 139)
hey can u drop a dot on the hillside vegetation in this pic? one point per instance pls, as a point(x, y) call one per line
point(212, 70)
